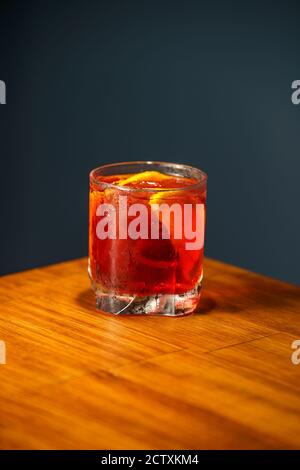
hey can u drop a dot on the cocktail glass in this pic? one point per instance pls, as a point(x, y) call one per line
point(146, 237)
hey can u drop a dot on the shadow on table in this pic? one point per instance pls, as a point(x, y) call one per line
point(245, 291)
point(86, 300)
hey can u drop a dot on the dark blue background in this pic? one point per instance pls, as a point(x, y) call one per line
point(204, 83)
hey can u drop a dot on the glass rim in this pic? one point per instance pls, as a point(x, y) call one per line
point(200, 175)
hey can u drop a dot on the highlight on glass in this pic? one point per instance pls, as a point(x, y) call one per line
point(146, 237)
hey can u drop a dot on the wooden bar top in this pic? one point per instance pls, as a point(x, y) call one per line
point(77, 378)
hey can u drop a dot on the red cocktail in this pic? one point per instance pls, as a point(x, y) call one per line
point(146, 237)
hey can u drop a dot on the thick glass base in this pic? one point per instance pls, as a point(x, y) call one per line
point(173, 305)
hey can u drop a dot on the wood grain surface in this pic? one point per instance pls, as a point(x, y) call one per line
point(77, 378)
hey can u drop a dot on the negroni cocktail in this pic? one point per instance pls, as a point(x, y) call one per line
point(146, 237)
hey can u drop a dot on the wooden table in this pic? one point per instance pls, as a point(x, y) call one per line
point(78, 378)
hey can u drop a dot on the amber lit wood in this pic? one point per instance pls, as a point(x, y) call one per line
point(77, 378)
